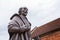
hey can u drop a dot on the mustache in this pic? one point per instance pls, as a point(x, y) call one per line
point(25, 11)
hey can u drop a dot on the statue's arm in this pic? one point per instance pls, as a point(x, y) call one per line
point(13, 27)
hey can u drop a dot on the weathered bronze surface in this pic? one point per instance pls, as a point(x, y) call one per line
point(19, 26)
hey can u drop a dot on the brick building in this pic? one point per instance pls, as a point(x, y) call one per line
point(49, 31)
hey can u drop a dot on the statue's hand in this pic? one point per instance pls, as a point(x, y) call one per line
point(28, 27)
point(23, 28)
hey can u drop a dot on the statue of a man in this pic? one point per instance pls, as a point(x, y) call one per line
point(19, 26)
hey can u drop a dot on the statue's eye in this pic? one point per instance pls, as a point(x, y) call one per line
point(25, 8)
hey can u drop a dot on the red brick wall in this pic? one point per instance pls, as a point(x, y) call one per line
point(52, 36)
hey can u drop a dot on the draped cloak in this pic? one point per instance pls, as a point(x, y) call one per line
point(19, 28)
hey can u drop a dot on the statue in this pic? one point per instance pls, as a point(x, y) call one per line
point(19, 26)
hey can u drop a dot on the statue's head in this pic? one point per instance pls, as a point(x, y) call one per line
point(23, 11)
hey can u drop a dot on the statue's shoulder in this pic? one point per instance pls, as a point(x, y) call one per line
point(14, 15)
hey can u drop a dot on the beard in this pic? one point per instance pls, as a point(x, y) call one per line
point(24, 14)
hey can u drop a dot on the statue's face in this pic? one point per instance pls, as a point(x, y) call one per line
point(24, 11)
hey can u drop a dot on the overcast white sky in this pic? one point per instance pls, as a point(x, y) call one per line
point(40, 12)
